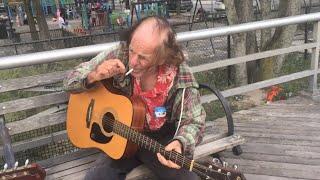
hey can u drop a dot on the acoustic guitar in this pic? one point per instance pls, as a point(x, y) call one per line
point(104, 118)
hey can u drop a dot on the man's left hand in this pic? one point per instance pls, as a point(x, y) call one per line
point(173, 146)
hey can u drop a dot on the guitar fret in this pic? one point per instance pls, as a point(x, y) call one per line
point(135, 138)
point(145, 142)
point(142, 141)
point(182, 162)
point(175, 161)
point(150, 144)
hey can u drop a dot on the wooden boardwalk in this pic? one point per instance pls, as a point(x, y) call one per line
point(282, 143)
point(282, 140)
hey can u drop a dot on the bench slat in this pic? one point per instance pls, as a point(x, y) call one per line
point(32, 81)
point(36, 142)
point(33, 123)
point(33, 102)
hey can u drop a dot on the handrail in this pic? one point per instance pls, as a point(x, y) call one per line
point(91, 50)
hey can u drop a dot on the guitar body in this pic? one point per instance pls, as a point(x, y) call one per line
point(87, 128)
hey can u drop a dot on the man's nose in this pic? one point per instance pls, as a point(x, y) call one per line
point(134, 60)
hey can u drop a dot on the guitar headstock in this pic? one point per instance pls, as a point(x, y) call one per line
point(214, 169)
point(27, 172)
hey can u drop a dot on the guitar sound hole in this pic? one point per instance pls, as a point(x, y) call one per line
point(108, 121)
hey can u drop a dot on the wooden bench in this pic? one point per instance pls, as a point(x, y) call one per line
point(66, 159)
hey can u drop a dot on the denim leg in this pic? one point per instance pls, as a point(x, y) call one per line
point(164, 172)
point(105, 168)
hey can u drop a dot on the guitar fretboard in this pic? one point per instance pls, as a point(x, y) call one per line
point(145, 142)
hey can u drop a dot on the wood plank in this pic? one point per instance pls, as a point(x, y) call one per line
point(284, 125)
point(86, 163)
point(282, 141)
point(74, 176)
point(257, 156)
point(276, 149)
point(33, 102)
point(266, 177)
point(277, 169)
point(60, 160)
point(63, 168)
point(33, 123)
point(280, 136)
point(301, 115)
point(270, 130)
point(217, 146)
point(250, 57)
point(32, 81)
point(39, 141)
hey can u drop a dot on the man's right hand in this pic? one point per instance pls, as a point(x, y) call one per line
point(106, 69)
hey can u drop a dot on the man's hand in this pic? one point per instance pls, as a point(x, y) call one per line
point(106, 69)
point(173, 146)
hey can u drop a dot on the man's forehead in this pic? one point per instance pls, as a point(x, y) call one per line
point(148, 29)
point(147, 36)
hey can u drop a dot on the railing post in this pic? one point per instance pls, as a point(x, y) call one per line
point(313, 82)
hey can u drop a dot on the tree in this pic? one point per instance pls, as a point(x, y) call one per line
point(237, 15)
point(42, 23)
point(281, 38)
point(242, 11)
point(31, 22)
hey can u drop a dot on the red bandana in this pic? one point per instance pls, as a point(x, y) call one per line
point(155, 98)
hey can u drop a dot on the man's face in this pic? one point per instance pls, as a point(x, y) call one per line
point(143, 44)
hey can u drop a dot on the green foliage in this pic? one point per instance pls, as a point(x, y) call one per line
point(294, 62)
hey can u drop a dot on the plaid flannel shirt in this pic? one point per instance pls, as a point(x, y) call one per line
point(190, 132)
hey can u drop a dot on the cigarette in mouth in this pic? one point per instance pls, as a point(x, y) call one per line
point(130, 71)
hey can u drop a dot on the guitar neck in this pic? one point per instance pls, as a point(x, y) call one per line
point(151, 145)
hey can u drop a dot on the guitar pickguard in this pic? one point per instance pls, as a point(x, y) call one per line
point(97, 135)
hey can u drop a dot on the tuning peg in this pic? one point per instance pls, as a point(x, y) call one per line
point(5, 167)
point(210, 166)
point(228, 174)
point(225, 164)
point(215, 161)
point(16, 165)
point(26, 163)
point(219, 170)
point(235, 167)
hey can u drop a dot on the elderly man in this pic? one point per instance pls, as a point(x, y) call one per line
point(165, 84)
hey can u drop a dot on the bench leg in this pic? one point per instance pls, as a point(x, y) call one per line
point(237, 150)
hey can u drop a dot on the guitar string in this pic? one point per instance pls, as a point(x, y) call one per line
point(132, 132)
point(124, 130)
point(145, 141)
